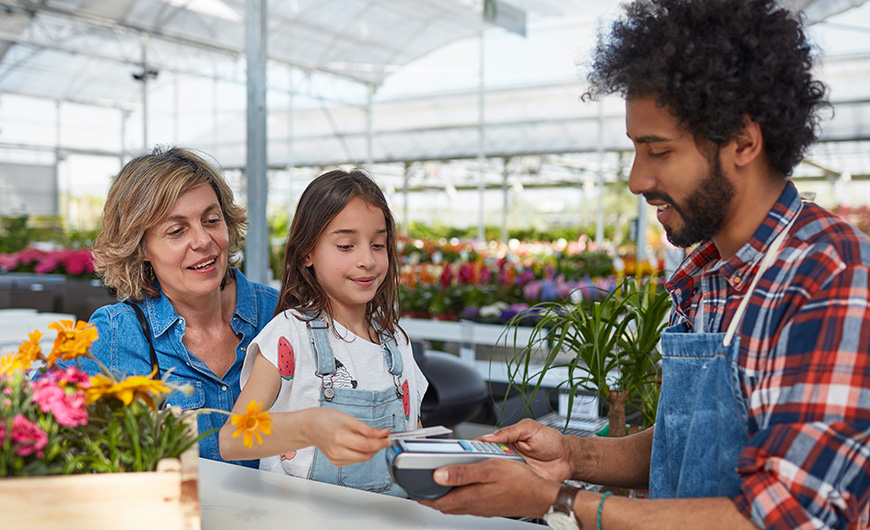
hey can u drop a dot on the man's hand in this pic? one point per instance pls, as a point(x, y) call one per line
point(546, 451)
point(493, 487)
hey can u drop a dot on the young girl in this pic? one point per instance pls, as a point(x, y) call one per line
point(333, 367)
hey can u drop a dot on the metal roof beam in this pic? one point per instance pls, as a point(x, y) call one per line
point(29, 6)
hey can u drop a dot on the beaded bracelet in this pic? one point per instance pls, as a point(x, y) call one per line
point(601, 506)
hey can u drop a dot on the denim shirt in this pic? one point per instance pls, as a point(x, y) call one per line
point(122, 347)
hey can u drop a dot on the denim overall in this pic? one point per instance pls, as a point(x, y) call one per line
point(380, 409)
point(701, 424)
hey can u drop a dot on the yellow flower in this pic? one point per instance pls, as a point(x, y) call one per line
point(141, 386)
point(251, 423)
point(9, 363)
point(134, 387)
point(100, 386)
point(73, 340)
point(22, 359)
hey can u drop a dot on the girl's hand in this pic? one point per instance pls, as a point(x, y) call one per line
point(344, 439)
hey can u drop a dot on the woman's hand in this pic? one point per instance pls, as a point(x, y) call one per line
point(342, 438)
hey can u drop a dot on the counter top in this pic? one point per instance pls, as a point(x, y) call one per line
point(234, 497)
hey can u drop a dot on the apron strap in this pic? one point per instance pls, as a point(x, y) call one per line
point(767, 260)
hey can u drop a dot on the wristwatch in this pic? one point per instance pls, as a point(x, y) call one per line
point(561, 514)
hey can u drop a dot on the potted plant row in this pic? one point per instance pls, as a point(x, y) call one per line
point(608, 346)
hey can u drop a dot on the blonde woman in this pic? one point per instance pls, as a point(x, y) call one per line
point(171, 232)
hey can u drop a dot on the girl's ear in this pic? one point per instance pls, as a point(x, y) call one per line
point(308, 261)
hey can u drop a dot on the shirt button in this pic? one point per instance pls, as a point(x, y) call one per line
point(224, 388)
point(738, 279)
point(243, 348)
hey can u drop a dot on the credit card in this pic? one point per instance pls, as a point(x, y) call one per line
point(421, 433)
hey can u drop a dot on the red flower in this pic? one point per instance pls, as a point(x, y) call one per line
point(29, 437)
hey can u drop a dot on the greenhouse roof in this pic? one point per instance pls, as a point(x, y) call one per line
point(353, 81)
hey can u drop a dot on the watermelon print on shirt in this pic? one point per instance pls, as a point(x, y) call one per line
point(286, 359)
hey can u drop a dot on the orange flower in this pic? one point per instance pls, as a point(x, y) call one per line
point(73, 340)
point(30, 349)
point(22, 359)
point(251, 423)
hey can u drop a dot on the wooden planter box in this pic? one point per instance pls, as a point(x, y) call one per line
point(166, 499)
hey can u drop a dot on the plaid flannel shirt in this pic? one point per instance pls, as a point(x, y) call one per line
point(804, 363)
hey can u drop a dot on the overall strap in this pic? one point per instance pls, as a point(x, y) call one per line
point(392, 355)
point(146, 329)
point(319, 337)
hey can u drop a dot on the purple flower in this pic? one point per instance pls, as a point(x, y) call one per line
point(532, 290)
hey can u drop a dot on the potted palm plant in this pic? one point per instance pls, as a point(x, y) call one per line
point(608, 346)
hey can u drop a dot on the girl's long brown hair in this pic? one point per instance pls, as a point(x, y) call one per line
point(323, 199)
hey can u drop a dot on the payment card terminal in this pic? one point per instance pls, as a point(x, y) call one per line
point(412, 461)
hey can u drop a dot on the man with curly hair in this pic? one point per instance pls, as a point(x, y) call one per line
point(764, 415)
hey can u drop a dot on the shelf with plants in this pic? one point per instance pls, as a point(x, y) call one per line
point(493, 282)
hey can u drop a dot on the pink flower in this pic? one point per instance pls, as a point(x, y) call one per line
point(532, 290)
point(29, 437)
point(464, 275)
point(28, 256)
point(47, 265)
point(8, 262)
point(76, 262)
point(71, 376)
point(68, 408)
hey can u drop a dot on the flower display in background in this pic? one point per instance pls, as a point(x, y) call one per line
point(76, 263)
point(857, 215)
point(491, 282)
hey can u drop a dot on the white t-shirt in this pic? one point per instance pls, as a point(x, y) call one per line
point(359, 364)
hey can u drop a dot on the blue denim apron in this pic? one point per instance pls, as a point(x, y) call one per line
point(381, 409)
point(701, 423)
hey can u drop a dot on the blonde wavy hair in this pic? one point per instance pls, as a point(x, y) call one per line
point(140, 196)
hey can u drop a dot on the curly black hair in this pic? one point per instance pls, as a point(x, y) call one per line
point(711, 62)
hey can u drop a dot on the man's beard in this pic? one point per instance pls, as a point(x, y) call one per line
point(704, 211)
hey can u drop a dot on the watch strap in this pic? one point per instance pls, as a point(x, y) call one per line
point(564, 502)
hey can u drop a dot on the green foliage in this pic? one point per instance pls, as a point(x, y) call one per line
point(122, 438)
point(437, 232)
point(608, 346)
point(14, 233)
point(18, 232)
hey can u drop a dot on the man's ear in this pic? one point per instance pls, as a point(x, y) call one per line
point(748, 143)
